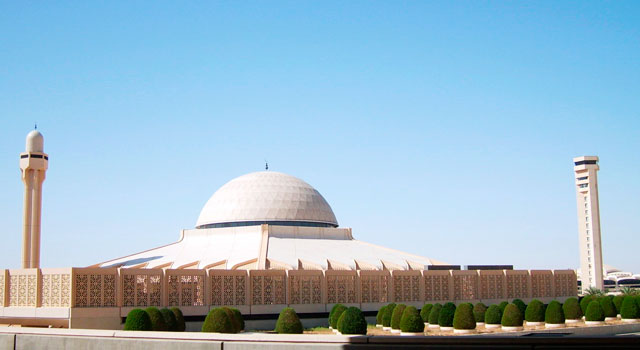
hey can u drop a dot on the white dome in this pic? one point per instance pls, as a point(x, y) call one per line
point(266, 196)
point(35, 141)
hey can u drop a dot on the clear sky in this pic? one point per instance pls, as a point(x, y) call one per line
point(445, 129)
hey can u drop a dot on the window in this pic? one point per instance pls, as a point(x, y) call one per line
point(586, 218)
point(583, 178)
point(587, 238)
point(588, 231)
point(586, 212)
point(586, 205)
point(583, 185)
point(587, 225)
point(589, 260)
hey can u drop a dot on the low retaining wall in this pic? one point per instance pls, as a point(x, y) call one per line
point(44, 339)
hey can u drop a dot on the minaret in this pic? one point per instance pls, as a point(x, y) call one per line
point(33, 164)
point(586, 172)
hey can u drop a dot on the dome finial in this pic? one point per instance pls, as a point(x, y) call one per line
point(266, 165)
point(35, 126)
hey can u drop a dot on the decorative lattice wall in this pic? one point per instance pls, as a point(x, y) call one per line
point(23, 287)
point(305, 287)
point(465, 285)
point(437, 285)
point(341, 286)
point(517, 284)
point(95, 287)
point(141, 287)
point(374, 286)
point(565, 283)
point(541, 284)
point(268, 287)
point(3, 286)
point(229, 287)
point(492, 284)
point(56, 288)
point(406, 285)
point(185, 287)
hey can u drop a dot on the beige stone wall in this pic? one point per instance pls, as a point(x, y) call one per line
point(111, 291)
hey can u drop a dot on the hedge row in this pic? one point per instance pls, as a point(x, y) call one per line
point(223, 320)
point(154, 319)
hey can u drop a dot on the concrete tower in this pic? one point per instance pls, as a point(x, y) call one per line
point(33, 164)
point(591, 268)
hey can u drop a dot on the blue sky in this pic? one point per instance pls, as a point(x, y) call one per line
point(444, 129)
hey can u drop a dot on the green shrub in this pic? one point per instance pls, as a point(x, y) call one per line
point(478, 312)
point(464, 317)
point(629, 308)
point(594, 312)
point(180, 324)
point(288, 322)
point(411, 320)
point(521, 306)
point(511, 317)
point(493, 315)
point(554, 313)
point(572, 309)
point(238, 315)
point(617, 302)
point(169, 319)
point(607, 307)
point(235, 322)
point(379, 315)
point(138, 320)
point(584, 303)
point(435, 313)
point(388, 314)
point(425, 311)
point(218, 321)
point(157, 320)
point(333, 309)
point(534, 311)
point(335, 316)
point(352, 322)
point(502, 306)
point(445, 319)
point(397, 316)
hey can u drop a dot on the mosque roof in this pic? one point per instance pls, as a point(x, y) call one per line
point(266, 196)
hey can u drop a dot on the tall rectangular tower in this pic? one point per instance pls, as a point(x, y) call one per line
point(591, 268)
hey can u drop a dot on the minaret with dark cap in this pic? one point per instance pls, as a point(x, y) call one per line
point(33, 164)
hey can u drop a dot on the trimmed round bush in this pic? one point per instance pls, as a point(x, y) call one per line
point(238, 315)
point(218, 321)
point(425, 311)
point(288, 322)
point(411, 320)
point(478, 312)
point(534, 311)
point(138, 320)
point(584, 303)
point(388, 314)
point(333, 309)
point(594, 312)
point(554, 313)
point(503, 305)
point(435, 313)
point(352, 322)
point(397, 316)
point(379, 315)
point(511, 317)
point(463, 317)
point(169, 319)
point(335, 316)
point(629, 308)
point(607, 306)
point(235, 322)
point(493, 315)
point(157, 320)
point(521, 306)
point(617, 302)
point(445, 319)
point(572, 309)
point(180, 324)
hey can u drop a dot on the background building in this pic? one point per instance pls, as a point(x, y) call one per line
point(591, 265)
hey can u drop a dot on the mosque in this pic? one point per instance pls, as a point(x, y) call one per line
point(263, 241)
